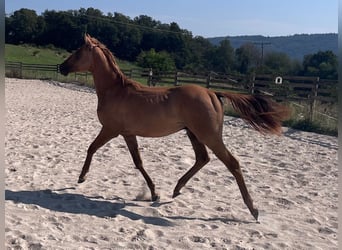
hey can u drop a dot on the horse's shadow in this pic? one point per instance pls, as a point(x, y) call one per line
point(81, 204)
point(66, 202)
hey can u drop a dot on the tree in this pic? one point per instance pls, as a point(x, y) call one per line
point(322, 64)
point(246, 58)
point(146, 21)
point(22, 26)
point(62, 30)
point(222, 57)
point(158, 61)
point(277, 62)
point(196, 52)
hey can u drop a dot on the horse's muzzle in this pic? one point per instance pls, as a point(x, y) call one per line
point(63, 69)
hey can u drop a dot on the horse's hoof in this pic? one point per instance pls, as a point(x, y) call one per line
point(155, 197)
point(255, 214)
point(175, 194)
point(81, 179)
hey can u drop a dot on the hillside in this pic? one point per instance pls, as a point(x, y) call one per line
point(45, 55)
point(296, 46)
point(33, 54)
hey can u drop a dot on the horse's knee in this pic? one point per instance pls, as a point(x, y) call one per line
point(203, 158)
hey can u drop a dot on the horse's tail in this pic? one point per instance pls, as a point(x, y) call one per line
point(261, 112)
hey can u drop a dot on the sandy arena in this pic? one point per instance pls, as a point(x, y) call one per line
point(292, 179)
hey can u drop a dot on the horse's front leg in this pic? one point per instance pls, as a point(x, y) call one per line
point(133, 149)
point(103, 137)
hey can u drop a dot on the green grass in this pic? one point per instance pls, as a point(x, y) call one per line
point(322, 122)
point(311, 126)
point(34, 55)
point(45, 55)
point(51, 55)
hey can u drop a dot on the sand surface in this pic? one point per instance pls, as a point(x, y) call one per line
point(292, 180)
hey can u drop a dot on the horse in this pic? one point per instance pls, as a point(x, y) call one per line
point(130, 109)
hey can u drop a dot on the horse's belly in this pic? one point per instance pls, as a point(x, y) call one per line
point(157, 129)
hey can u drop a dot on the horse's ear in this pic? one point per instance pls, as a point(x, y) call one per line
point(87, 39)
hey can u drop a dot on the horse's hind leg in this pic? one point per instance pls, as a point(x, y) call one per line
point(232, 164)
point(202, 158)
point(103, 137)
point(133, 149)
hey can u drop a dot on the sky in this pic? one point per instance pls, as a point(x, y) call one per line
point(212, 18)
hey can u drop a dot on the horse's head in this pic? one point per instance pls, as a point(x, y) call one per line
point(80, 60)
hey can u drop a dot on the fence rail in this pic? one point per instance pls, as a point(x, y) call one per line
point(296, 87)
point(289, 88)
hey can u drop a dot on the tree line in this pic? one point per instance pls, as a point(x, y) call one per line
point(157, 45)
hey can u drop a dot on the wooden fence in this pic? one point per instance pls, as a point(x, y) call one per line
point(281, 88)
point(18, 69)
point(41, 71)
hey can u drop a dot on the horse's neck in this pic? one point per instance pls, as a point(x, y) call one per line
point(105, 79)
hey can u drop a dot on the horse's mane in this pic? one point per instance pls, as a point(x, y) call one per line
point(155, 95)
point(110, 58)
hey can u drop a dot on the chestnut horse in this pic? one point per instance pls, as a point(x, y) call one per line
point(127, 108)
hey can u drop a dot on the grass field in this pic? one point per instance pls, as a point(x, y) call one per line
point(51, 55)
point(30, 54)
point(44, 55)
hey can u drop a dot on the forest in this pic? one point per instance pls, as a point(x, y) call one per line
point(161, 46)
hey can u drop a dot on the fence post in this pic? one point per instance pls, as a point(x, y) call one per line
point(208, 80)
point(252, 84)
point(57, 71)
point(313, 99)
point(150, 76)
point(21, 70)
point(176, 78)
